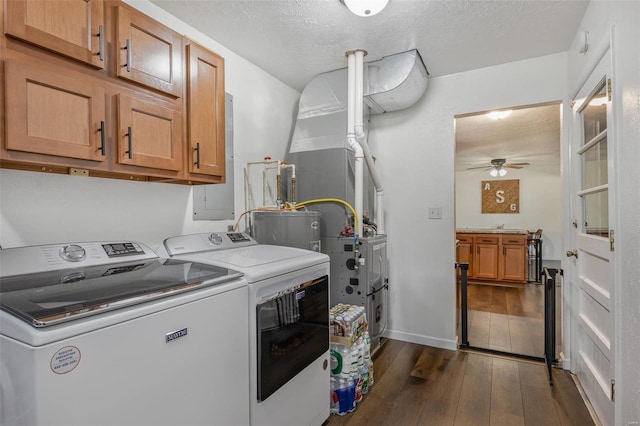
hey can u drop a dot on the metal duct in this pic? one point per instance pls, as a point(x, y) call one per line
point(319, 146)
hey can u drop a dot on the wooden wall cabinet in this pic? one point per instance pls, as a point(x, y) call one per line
point(148, 52)
point(52, 112)
point(205, 111)
point(494, 257)
point(125, 121)
point(149, 134)
point(71, 28)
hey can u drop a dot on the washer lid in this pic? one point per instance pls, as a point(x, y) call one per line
point(48, 298)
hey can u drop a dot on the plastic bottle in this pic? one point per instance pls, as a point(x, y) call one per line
point(334, 401)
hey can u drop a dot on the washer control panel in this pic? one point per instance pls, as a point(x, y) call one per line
point(34, 259)
point(122, 249)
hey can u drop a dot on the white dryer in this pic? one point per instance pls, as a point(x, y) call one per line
point(288, 322)
point(110, 334)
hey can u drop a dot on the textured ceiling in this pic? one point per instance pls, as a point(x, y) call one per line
point(295, 40)
point(529, 135)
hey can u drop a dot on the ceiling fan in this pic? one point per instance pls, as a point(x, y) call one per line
point(498, 166)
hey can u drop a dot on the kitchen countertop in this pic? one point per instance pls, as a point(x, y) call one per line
point(491, 231)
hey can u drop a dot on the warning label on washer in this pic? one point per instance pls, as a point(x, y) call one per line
point(65, 360)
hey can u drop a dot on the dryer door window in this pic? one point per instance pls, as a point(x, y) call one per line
point(293, 331)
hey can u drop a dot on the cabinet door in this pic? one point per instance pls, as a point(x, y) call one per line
point(148, 52)
point(74, 28)
point(486, 260)
point(464, 252)
point(514, 258)
point(206, 115)
point(54, 112)
point(149, 134)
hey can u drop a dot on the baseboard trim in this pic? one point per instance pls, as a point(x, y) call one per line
point(435, 342)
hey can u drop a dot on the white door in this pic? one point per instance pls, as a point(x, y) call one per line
point(593, 201)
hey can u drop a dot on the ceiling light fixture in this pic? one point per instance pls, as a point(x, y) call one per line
point(495, 172)
point(499, 115)
point(365, 7)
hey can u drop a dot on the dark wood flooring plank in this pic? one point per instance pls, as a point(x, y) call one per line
point(567, 400)
point(442, 403)
point(499, 299)
point(506, 396)
point(475, 397)
point(514, 301)
point(539, 408)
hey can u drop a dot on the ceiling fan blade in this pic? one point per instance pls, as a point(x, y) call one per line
point(517, 164)
point(480, 167)
point(512, 166)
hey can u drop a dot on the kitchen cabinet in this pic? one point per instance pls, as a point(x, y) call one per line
point(494, 257)
point(464, 251)
point(54, 112)
point(205, 111)
point(148, 53)
point(514, 258)
point(486, 257)
point(71, 28)
point(149, 133)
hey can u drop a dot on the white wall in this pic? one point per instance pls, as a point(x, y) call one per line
point(415, 149)
point(39, 208)
point(540, 205)
point(622, 19)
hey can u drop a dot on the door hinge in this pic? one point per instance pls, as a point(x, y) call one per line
point(575, 223)
point(609, 89)
point(611, 240)
point(613, 390)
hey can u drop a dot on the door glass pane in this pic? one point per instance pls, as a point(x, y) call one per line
point(595, 165)
point(595, 115)
point(596, 213)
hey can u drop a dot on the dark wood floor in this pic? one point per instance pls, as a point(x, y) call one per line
point(420, 385)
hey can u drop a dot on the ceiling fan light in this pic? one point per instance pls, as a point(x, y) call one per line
point(499, 115)
point(365, 7)
point(497, 172)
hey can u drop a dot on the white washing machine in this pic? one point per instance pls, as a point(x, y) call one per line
point(288, 322)
point(110, 334)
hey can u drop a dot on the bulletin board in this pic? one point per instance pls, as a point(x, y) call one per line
point(501, 196)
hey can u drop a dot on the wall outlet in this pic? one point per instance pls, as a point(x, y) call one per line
point(435, 212)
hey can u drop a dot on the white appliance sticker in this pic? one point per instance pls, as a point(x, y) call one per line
point(65, 360)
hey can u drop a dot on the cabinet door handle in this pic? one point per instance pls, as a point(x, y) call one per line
point(129, 136)
point(101, 42)
point(470, 250)
point(101, 130)
point(197, 150)
point(128, 47)
point(504, 251)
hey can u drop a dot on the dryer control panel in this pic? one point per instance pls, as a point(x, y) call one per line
point(196, 243)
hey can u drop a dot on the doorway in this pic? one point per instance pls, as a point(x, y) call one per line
point(506, 287)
